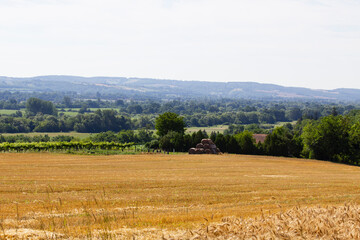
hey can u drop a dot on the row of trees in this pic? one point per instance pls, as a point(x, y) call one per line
point(16, 100)
point(55, 146)
point(112, 120)
point(171, 131)
point(36, 138)
point(141, 137)
point(247, 111)
point(99, 121)
point(334, 138)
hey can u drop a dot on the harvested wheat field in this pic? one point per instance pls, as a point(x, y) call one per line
point(176, 197)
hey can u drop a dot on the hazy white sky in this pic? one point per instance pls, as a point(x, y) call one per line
point(309, 43)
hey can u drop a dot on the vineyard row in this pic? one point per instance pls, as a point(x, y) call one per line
point(53, 146)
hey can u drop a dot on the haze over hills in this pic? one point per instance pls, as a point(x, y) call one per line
point(155, 88)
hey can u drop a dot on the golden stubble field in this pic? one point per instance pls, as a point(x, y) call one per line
point(67, 196)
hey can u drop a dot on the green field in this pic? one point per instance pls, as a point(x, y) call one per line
point(217, 128)
point(277, 124)
point(222, 128)
point(71, 114)
point(8, 111)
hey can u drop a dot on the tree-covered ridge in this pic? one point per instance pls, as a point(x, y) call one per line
point(147, 88)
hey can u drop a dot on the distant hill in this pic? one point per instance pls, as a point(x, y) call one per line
point(170, 89)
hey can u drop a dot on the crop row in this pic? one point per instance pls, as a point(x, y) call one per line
point(51, 146)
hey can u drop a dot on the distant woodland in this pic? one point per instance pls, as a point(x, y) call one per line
point(295, 127)
point(94, 116)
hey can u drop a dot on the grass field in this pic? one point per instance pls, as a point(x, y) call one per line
point(9, 111)
point(83, 196)
point(75, 111)
point(72, 114)
point(222, 128)
point(218, 128)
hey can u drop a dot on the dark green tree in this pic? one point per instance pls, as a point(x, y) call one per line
point(328, 139)
point(280, 142)
point(172, 141)
point(198, 136)
point(50, 124)
point(246, 142)
point(144, 136)
point(36, 105)
point(220, 142)
point(232, 145)
point(67, 102)
point(169, 121)
point(355, 143)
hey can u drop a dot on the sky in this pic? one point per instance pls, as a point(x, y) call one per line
point(306, 43)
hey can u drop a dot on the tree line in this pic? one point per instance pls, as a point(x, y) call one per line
point(57, 146)
point(43, 116)
point(332, 138)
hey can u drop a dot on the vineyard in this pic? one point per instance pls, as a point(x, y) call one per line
point(62, 146)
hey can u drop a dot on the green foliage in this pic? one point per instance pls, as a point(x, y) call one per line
point(50, 124)
point(63, 146)
point(145, 122)
point(200, 113)
point(246, 142)
point(293, 113)
point(126, 136)
point(354, 116)
point(329, 139)
point(188, 142)
point(220, 142)
point(234, 129)
point(36, 105)
point(108, 136)
point(154, 144)
point(142, 136)
point(198, 136)
point(14, 125)
point(231, 145)
point(354, 137)
point(213, 136)
point(67, 101)
point(62, 138)
point(169, 121)
point(83, 109)
point(172, 141)
point(38, 138)
point(255, 128)
point(281, 142)
point(2, 138)
point(100, 121)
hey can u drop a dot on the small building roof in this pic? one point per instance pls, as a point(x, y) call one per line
point(259, 137)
